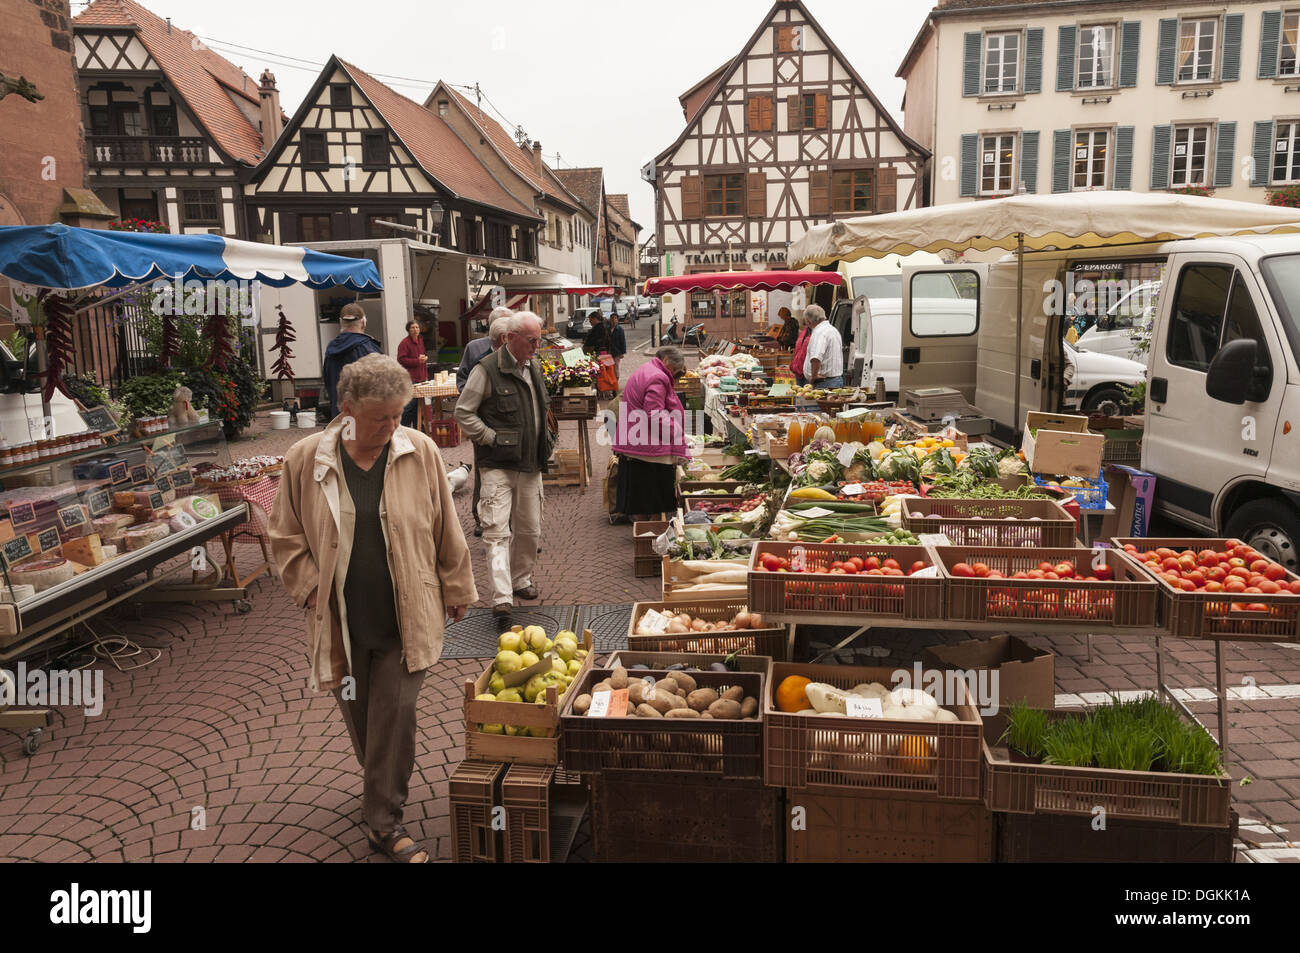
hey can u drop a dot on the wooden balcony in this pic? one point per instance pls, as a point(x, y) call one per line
point(153, 151)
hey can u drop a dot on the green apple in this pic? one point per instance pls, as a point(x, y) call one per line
point(508, 642)
point(493, 729)
point(510, 695)
point(496, 683)
point(508, 662)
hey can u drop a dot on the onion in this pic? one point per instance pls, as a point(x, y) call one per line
point(676, 628)
point(755, 620)
point(684, 619)
point(741, 621)
point(698, 625)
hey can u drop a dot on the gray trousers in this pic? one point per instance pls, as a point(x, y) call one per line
point(381, 723)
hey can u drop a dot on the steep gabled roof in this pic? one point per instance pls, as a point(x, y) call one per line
point(585, 184)
point(705, 85)
point(619, 201)
point(205, 80)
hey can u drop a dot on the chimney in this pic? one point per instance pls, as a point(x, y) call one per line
point(537, 160)
point(270, 96)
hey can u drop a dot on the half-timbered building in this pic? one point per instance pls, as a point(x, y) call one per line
point(784, 136)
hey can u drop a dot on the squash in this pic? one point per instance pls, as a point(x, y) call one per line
point(824, 433)
point(790, 694)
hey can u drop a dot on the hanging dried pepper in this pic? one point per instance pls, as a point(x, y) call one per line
point(284, 336)
point(217, 332)
point(58, 340)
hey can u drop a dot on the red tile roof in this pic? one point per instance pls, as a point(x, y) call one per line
point(438, 149)
point(205, 80)
point(585, 184)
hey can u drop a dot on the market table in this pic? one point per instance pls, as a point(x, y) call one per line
point(584, 443)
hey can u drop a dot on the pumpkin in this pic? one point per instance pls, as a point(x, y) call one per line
point(790, 694)
point(824, 433)
point(915, 755)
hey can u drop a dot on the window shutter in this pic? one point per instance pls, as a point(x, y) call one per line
point(1034, 60)
point(792, 113)
point(970, 144)
point(1262, 152)
point(1066, 40)
point(1123, 158)
point(886, 188)
point(1130, 38)
point(752, 114)
point(692, 197)
point(970, 65)
point(821, 114)
point(1270, 26)
point(765, 113)
point(756, 194)
point(785, 39)
point(1161, 136)
point(1061, 160)
point(1231, 71)
point(1029, 161)
point(819, 193)
point(1225, 144)
point(1166, 45)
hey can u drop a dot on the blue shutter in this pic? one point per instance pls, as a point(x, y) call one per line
point(1130, 37)
point(1065, 54)
point(1225, 144)
point(1270, 28)
point(1123, 158)
point(1262, 153)
point(970, 67)
point(1034, 60)
point(969, 164)
point(1166, 47)
point(1231, 71)
point(1061, 160)
point(1029, 161)
point(1161, 137)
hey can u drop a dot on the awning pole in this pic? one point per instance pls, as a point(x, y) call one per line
point(1020, 314)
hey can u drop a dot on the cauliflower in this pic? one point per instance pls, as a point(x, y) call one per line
point(819, 470)
point(1010, 466)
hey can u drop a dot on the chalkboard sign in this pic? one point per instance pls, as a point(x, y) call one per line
point(22, 513)
point(100, 419)
point(182, 478)
point(99, 502)
point(70, 517)
point(16, 549)
point(48, 539)
point(156, 500)
point(164, 484)
point(119, 473)
point(139, 474)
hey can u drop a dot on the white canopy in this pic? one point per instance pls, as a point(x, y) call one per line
point(1073, 220)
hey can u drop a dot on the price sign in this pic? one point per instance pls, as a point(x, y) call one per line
point(22, 513)
point(48, 539)
point(608, 704)
point(139, 474)
point(854, 489)
point(119, 473)
point(572, 357)
point(816, 512)
point(855, 706)
point(846, 455)
point(182, 478)
point(18, 548)
point(70, 517)
point(164, 484)
point(99, 502)
point(779, 389)
point(854, 414)
point(156, 501)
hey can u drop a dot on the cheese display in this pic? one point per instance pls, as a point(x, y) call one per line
point(200, 507)
point(112, 526)
point(110, 552)
point(138, 537)
point(86, 551)
point(20, 592)
point(43, 573)
point(180, 522)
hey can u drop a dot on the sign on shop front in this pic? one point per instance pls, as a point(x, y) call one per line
point(753, 257)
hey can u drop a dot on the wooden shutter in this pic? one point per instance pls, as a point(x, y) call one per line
point(1231, 70)
point(1066, 43)
point(766, 113)
point(1123, 178)
point(1262, 153)
point(692, 197)
point(1062, 156)
point(1270, 27)
point(970, 167)
point(1029, 161)
point(758, 113)
point(1166, 50)
point(821, 114)
point(1130, 38)
point(785, 39)
point(1225, 144)
point(1034, 60)
point(756, 194)
point(793, 113)
point(970, 63)
point(819, 193)
point(1161, 137)
point(885, 188)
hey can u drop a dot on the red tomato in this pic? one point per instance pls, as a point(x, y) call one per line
point(1035, 574)
point(1240, 551)
point(1275, 572)
point(963, 570)
point(980, 569)
point(1207, 557)
point(1214, 586)
point(892, 570)
point(1236, 562)
point(771, 562)
point(857, 562)
point(1256, 607)
point(890, 564)
point(1252, 589)
point(1234, 584)
point(1103, 573)
point(1196, 576)
point(1216, 574)
point(1170, 564)
point(1187, 563)
point(1188, 585)
point(1240, 573)
point(1164, 553)
point(1259, 565)
point(917, 566)
point(871, 562)
point(1270, 587)
point(1064, 569)
point(1295, 586)
point(838, 564)
point(873, 572)
point(1050, 575)
point(1130, 548)
point(1044, 567)
point(1020, 575)
point(994, 574)
point(1255, 579)
point(850, 568)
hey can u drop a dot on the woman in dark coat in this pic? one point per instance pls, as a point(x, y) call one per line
point(597, 341)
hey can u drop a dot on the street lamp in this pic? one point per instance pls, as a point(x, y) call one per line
point(437, 212)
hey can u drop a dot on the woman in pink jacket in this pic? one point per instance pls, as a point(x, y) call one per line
point(651, 438)
point(800, 353)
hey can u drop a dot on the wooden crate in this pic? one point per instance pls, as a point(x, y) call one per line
point(568, 469)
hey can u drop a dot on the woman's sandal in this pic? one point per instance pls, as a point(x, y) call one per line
point(384, 845)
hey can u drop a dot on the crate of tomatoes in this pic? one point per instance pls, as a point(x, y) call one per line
point(844, 581)
point(1219, 589)
point(1047, 586)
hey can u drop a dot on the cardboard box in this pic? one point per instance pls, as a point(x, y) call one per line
point(1132, 492)
point(1024, 673)
point(1062, 445)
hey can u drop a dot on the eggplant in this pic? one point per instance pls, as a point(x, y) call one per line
point(641, 668)
point(717, 667)
point(676, 667)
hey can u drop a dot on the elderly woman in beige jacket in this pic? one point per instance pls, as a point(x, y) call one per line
point(368, 543)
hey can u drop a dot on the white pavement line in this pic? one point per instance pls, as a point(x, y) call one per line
point(1194, 694)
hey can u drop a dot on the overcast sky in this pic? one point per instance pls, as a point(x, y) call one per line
point(596, 82)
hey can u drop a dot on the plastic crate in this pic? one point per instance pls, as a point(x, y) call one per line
point(769, 640)
point(700, 746)
point(675, 576)
point(645, 561)
point(846, 755)
point(658, 661)
point(445, 432)
point(1129, 600)
point(665, 818)
point(1066, 839)
point(731, 486)
point(473, 792)
point(1122, 448)
point(991, 522)
point(1209, 615)
point(543, 810)
point(818, 596)
point(869, 828)
point(1019, 787)
point(1091, 497)
point(574, 407)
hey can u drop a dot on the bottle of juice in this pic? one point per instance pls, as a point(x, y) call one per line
point(794, 436)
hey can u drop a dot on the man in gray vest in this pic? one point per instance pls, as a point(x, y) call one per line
point(502, 409)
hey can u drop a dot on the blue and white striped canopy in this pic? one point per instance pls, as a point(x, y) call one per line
point(67, 258)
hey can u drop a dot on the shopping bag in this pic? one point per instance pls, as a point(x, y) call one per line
point(607, 377)
point(611, 488)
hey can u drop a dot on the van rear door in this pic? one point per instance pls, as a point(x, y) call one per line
point(940, 333)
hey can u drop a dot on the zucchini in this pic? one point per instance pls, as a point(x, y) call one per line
point(836, 506)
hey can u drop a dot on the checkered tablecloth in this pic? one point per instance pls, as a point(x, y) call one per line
point(260, 497)
point(430, 389)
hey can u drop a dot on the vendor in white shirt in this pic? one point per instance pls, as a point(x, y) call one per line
point(824, 363)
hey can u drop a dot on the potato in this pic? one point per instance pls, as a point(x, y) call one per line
point(749, 707)
point(705, 714)
point(683, 713)
point(678, 702)
point(604, 686)
point(735, 693)
point(725, 708)
point(581, 704)
point(634, 692)
point(701, 698)
point(658, 700)
point(685, 681)
point(619, 678)
point(645, 711)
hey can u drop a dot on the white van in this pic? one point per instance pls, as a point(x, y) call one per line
point(1114, 331)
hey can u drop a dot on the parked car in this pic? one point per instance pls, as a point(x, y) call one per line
point(646, 306)
point(579, 322)
point(1095, 382)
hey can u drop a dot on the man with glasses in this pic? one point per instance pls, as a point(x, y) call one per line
point(502, 409)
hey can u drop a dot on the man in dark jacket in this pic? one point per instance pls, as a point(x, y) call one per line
point(480, 348)
point(596, 342)
point(617, 343)
point(352, 344)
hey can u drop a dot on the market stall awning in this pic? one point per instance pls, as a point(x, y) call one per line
point(740, 281)
point(551, 284)
point(1074, 220)
point(63, 257)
